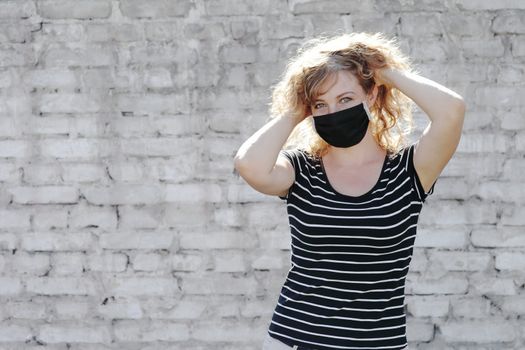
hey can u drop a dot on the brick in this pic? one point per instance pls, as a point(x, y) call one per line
point(240, 8)
point(462, 261)
point(82, 172)
point(512, 121)
point(418, 331)
point(75, 55)
point(140, 286)
point(123, 194)
point(478, 332)
point(452, 213)
point(512, 168)
point(471, 165)
point(483, 143)
point(104, 218)
point(452, 188)
point(223, 240)
point(15, 333)
point(74, 333)
point(433, 306)
point(15, 149)
point(50, 219)
point(323, 6)
point(513, 261)
point(421, 24)
point(215, 284)
point(16, 55)
point(482, 47)
point(49, 241)
point(68, 103)
point(459, 74)
point(107, 262)
point(161, 53)
point(513, 23)
point(44, 194)
point(387, 22)
point(28, 310)
point(163, 31)
point(10, 286)
point(475, 24)
point(149, 262)
point(19, 34)
point(42, 174)
point(506, 236)
point(452, 283)
point(113, 32)
point(513, 305)
point(520, 141)
point(245, 30)
point(71, 310)
point(513, 216)
point(433, 51)
point(153, 104)
point(275, 28)
point(230, 261)
point(121, 309)
point(136, 240)
point(480, 283)
point(62, 32)
point(188, 262)
point(158, 78)
point(205, 31)
point(498, 191)
point(156, 8)
point(267, 262)
point(8, 172)
point(16, 9)
point(182, 216)
point(190, 193)
point(36, 264)
point(8, 241)
point(152, 331)
point(139, 218)
point(182, 310)
point(68, 264)
point(478, 5)
point(61, 286)
point(517, 45)
point(470, 306)
point(15, 219)
point(245, 193)
point(238, 54)
point(66, 9)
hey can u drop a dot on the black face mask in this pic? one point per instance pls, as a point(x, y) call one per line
point(344, 128)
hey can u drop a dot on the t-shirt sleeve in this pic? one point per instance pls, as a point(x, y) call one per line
point(414, 177)
point(294, 158)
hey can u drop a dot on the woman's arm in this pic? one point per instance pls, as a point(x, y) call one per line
point(446, 111)
point(257, 159)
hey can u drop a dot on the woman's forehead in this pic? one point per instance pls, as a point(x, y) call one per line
point(336, 81)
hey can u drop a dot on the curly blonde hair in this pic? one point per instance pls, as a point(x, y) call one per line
point(361, 54)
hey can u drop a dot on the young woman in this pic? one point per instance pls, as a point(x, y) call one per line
point(353, 184)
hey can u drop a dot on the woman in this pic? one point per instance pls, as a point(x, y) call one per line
point(353, 184)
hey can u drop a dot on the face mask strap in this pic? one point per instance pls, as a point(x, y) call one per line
point(365, 105)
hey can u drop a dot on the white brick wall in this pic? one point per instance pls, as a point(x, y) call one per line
point(123, 224)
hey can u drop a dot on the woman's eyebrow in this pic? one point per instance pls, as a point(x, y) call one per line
point(338, 96)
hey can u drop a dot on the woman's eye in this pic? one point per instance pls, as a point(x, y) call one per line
point(346, 99)
point(318, 105)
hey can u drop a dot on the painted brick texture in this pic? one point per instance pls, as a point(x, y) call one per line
point(123, 224)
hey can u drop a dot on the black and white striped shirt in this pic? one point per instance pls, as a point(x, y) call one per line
point(349, 257)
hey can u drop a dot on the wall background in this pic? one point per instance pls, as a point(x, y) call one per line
point(122, 223)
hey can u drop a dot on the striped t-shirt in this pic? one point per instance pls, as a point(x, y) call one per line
point(349, 257)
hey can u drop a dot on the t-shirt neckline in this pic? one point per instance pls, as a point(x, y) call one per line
point(369, 192)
